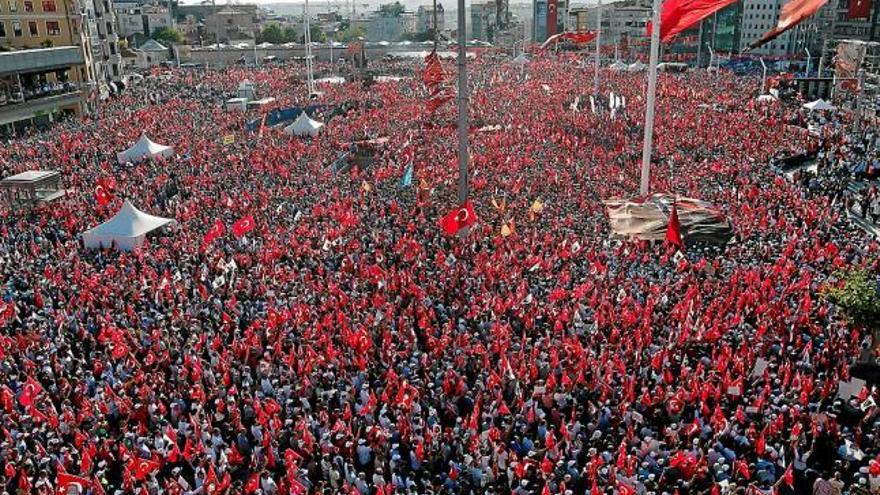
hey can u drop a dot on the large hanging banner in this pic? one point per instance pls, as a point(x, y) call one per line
point(552, 21)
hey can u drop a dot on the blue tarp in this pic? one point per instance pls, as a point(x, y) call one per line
point(283, 115)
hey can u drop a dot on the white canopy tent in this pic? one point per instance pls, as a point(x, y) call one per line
point(126, 229)
point(304, 126)
point(636, 67)
point(521, 59)
point(819, 105)
point(618, 66)
point(144, 148)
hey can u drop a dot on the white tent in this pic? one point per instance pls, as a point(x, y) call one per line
point(819, 105)
point(636, 67)
point(765, 99)
point(521, 59)
point(127, 229)
point(144, 148)
point(304, 126)
point(618, 66)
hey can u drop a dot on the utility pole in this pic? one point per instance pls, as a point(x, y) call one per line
point(462, 106)
point(700, 46)
point(598, 45)
point(861, 90)
point(652, 97)
point(434, 28)
point(763, 75)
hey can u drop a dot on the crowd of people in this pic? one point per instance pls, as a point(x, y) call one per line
point(348, 345)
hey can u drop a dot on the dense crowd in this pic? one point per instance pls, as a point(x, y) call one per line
point(347, 345)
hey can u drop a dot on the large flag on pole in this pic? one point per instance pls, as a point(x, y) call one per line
point(678, 15)
point(858, 9)
point(792, 14)
point(579, 38)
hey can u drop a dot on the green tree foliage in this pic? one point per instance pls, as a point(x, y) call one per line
point(351, 33)
point(317, 35)
point(858, 294)
point(272, 33)
point(391, 9)
point(168, 35)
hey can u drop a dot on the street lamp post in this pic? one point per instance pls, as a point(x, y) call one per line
point(651, 102)
point(462, 106)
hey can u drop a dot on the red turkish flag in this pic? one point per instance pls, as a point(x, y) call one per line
point(102, 195)
point(437, 100)
point(673, 230)
point(65, 481)
point(253, 483)
point(433, 70)
point(217, 230)
point(31, 389)
point(792, 14)
point(859, 9)
point(141, 468)
point(552, 16)
point(243, 226)
point(678, 15)
point(459, 218)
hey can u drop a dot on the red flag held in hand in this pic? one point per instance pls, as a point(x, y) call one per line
point(65, 481)
point(141, 468)
point(673, 230)
point(459, 218)
point(243, 226)
point(102, 195)
point(216, 231)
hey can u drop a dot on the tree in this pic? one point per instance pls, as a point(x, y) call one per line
point(290, 34)
point(391, 9)
point(351, 33)
point(272, 33)
point(858, 294)
point(316, 33)
point(168, 35)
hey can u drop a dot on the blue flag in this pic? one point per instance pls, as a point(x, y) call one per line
point(406, 180)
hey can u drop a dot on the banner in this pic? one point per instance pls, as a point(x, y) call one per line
point(229, 139)
point(859, 9)
point(846, 64)
point(552, 21)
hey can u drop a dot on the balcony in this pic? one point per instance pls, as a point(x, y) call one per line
point(40, 59)
point(14, 112)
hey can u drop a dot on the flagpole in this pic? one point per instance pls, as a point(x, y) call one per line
point(598, 44)
point(652, 97)
point(462, 106)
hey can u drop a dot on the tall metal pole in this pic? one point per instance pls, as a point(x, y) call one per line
point(700, 46)
point(652, 97)
point(861, 89)
point(809, 57)
point(434, 28)
point(763, 75)
point(598, 46)
point(310, 82)
point(462, 106)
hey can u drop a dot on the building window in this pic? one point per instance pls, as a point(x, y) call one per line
point(32, 29)
point(53, 28)
point(2, 29)
point(49, 6)
point(16, 29)
point(13, 7)
point(115, 70)
point(28, 6)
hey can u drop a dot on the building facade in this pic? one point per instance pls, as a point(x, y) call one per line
point(40, 85)
point(760, 16)
point(425, 19)
point(137, 22)
point(482, 21)
point(548, 18)
point(60, 56)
